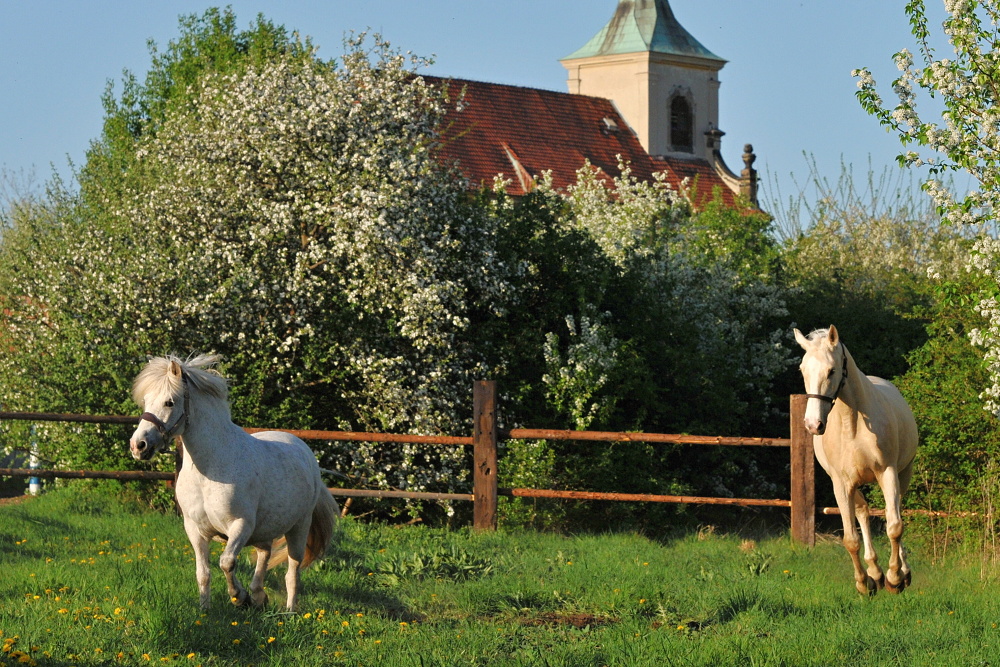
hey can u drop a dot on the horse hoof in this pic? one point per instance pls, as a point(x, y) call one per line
point(908, 578)
point(869, 587)
point(896, 588)
point(260, 601)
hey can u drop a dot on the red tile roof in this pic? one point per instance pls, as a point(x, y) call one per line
point(521, 132)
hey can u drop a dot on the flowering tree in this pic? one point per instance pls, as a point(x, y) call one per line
point(967, 139)
point(293, 217)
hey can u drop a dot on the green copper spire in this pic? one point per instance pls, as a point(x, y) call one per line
point(643, 25)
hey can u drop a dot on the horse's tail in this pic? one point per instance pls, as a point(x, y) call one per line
point(321, 529)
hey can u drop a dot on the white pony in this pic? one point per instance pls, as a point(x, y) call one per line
point(233, 487)
point(863, 432)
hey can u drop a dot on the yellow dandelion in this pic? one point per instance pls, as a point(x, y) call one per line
point(236, 641)
point(270, 640)
point(190, 656)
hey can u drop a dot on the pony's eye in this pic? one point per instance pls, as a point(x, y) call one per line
point(169, 403)
point(830, 373)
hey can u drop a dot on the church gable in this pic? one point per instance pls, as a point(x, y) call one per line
point(520, 132)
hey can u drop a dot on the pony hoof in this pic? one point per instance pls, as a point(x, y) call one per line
point(260, 601)
point(242, 600)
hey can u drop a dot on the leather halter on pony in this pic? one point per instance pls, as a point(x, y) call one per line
point(168, 432)
point(843, 381)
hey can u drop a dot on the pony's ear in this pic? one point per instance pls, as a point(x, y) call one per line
point(833, 336)
point(175, 368)
point(801, 340)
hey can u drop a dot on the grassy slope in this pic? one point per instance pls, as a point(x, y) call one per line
point(87, 582)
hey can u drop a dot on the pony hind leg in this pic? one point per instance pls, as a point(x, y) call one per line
point(296, 544)
point(864, 522)
point(258, 598)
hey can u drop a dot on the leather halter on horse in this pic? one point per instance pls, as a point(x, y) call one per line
point(167, 432)
point(843, 380)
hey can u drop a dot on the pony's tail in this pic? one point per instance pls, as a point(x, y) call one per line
point(324, 519)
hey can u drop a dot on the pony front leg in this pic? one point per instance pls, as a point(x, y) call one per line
point(202, 569)
point(238, 533)
point(862, 582)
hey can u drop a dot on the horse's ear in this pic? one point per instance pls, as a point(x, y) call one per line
point(801, 340)
point(175, 368)
point(833, 336)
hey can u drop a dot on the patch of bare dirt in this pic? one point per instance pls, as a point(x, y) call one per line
point(554, 619)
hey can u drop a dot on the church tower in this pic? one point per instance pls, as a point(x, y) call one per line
point(662, 80)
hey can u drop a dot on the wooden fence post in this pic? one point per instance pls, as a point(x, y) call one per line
point(803, 480)
point(484, 440)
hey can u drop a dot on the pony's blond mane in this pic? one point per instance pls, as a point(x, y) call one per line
point(202, 378)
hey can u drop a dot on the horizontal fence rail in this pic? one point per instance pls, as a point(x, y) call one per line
point(638, 436)
point(485, 439)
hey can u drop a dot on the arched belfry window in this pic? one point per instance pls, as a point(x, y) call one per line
point(681, 125)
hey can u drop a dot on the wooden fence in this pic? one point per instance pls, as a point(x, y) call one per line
point(485, 439)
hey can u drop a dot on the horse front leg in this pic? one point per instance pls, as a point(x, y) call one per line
point(862, 582)
point(864, 522)
point(238, 534)
point(895, 578)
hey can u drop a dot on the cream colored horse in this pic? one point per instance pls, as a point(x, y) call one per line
point(262, 490)
point(863, 432)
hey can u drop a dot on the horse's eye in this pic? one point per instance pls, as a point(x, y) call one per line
point(169, 403)
point(830, 373)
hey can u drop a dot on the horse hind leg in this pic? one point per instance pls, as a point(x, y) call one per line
point(864, 522)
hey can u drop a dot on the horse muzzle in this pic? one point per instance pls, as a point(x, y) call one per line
point(815, 426)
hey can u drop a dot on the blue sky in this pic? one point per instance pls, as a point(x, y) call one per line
point(787, 87)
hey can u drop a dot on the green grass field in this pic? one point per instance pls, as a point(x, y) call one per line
point(85, 583)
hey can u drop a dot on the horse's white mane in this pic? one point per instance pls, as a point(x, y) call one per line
point(202, 377)
point(817, 334)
